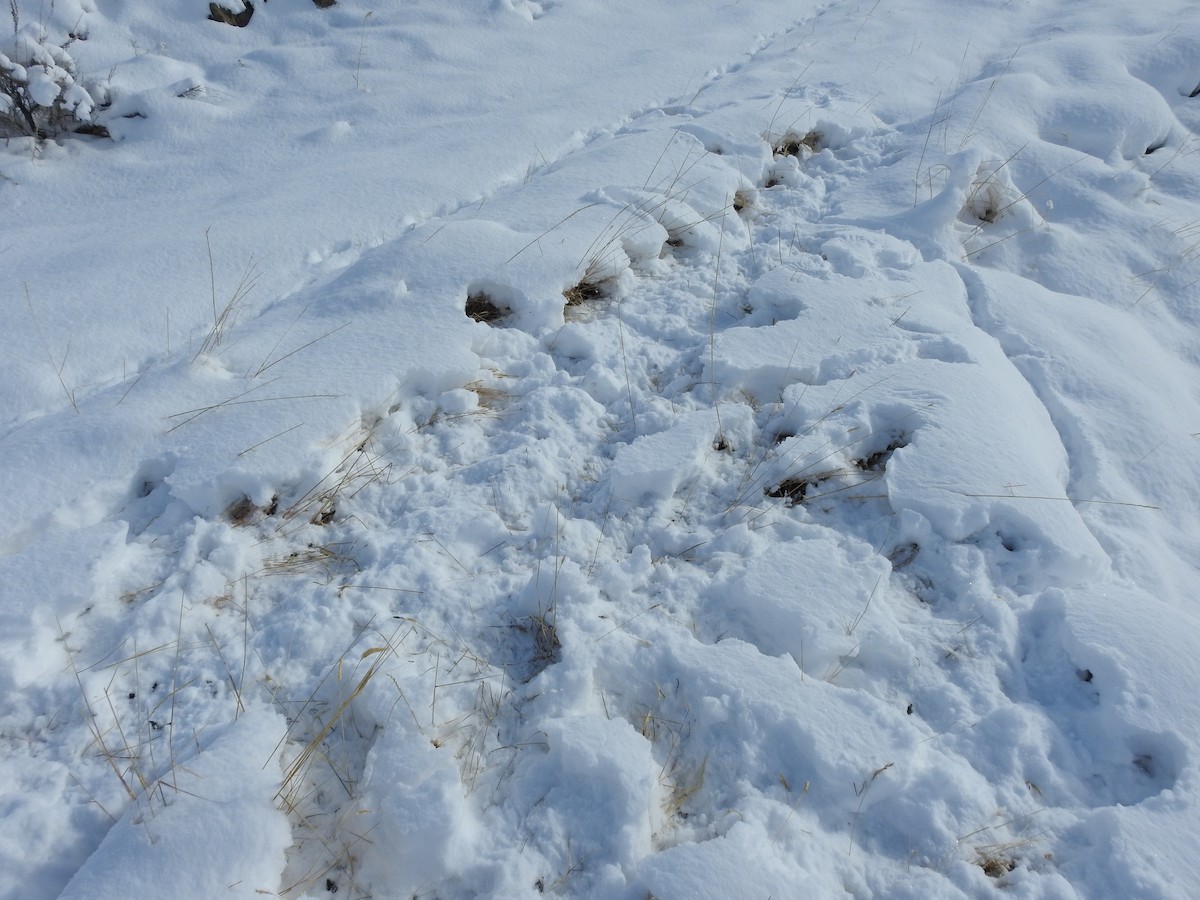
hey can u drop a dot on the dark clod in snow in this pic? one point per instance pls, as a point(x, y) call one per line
point(325, 4)
point(1195, 91)
point(330, 884)
point(92, 129)
point(1085, 675)
point(482, 308)
point(875, 462)
point(903, 556)
point(218, 13)
point(796, 144)
point(792, 489)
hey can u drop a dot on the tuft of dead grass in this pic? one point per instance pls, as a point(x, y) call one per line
point(995, 860)
point(482, 308)
point(244, 511)
point(799, 145)
point(490, 398)
point(547, 648)
point(329, 559)
point(585, 292)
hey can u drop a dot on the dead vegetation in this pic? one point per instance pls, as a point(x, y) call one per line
point(218, 13)
point(482, 307)
point(362, 465)
point(799, 145)
point(490, 398)
point(877, 461)
point(244, 511)
point(795, 490)
point(995, 860)
point(585, 292)
point(328, 559)
point(546, 649)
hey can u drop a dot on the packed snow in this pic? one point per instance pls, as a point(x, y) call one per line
point(600, 448)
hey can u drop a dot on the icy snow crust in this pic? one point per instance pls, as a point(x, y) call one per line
point(834, 533)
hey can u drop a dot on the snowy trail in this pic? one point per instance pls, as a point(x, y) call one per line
point(780, 513)
point(302, 142)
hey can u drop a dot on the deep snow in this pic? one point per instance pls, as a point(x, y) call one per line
point(814, 514)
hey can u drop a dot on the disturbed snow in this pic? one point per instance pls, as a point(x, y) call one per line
point(811, 513)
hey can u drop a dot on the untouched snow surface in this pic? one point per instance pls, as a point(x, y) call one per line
point(809, 507)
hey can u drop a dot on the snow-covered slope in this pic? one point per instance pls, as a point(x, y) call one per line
point(604, 449)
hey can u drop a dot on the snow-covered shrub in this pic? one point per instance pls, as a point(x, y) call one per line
point(40, 93)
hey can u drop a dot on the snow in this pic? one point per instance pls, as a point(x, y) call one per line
point(813, 513)
point(219, 809)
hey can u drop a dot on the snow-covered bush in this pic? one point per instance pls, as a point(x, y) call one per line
point(40, 93)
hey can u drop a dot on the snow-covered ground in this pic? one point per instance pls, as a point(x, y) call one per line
point(603, 448)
